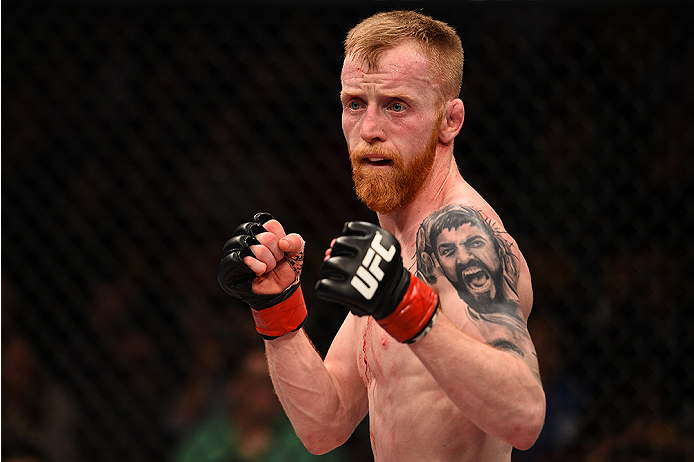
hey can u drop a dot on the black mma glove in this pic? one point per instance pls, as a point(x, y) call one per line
point(275, 314)
point(365, 273)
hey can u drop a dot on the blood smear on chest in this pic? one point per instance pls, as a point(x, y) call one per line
point(373, 349)
point(367, 369)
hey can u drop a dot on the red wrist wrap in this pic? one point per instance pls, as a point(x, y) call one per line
point(285, 317)
point(414, 312)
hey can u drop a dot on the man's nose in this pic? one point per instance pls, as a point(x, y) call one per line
point(463, 255)
point(372, 128)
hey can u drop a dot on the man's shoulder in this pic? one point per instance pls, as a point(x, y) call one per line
point(464, 206)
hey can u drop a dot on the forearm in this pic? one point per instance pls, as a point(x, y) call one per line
point(496, 390)
point(261, 265)
point(321, 413)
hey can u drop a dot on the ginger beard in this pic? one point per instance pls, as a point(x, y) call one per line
point(387, 188)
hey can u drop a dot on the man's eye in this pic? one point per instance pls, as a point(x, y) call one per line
point(398, 107)
point(354, 105)
point(446, 251)
point(477, 243)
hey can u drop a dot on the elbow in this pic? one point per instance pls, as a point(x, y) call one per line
point(528, 430)
point(321, 432)
point(321, 439)
point(319, 443)
point(524, 440)
point(316, 445)
point(318, 450)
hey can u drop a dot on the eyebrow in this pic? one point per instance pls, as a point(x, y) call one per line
point(346, 94)
point(402, 96)
point(465, 242)
point(390, 96)
point(446, 245)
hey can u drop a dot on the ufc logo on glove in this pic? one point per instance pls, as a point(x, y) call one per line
point(364, 272)
point(369, 274)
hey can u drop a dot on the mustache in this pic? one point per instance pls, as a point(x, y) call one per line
point(460, 268)
point(358, 153)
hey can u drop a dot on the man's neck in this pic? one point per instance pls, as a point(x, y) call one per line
point(434, 194)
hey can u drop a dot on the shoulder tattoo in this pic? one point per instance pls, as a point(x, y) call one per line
point(463, 245)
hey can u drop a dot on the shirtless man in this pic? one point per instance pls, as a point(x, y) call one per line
point(442, 363)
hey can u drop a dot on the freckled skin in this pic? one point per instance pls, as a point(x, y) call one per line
point(378, 123)
point(401, 393)
point(461, 393)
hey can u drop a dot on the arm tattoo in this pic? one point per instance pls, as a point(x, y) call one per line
point(473, 255)
point(465, 246)
point(506, 345)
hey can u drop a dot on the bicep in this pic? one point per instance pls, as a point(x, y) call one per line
point(481, 277)
point(501, 326)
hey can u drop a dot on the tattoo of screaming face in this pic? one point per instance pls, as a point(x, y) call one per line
point(463, 245)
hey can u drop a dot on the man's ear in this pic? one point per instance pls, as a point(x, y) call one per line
point(452, 121)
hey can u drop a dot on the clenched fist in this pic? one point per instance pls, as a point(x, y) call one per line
point(261, 265)
point(364, 272)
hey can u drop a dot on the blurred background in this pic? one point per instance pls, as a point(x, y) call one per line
point(137, 135)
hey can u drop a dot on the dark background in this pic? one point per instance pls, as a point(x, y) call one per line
point(137, 135)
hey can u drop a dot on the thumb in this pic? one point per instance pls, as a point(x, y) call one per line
point(292, 243)
point(293, 247)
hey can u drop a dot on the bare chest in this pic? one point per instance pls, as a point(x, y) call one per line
point(405, 400)
point(380, 358)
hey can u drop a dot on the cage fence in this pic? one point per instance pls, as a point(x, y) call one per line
point(136, 137)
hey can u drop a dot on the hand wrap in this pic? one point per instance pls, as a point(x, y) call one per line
point(366, 274)
point(274, 314)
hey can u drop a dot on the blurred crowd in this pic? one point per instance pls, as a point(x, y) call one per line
point(216, 404)
point(221, 406)
point(136, 140)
